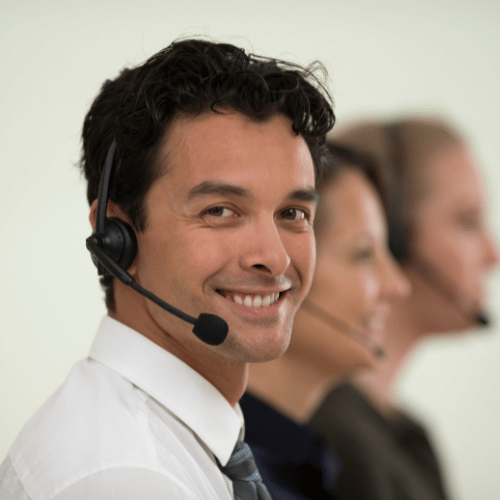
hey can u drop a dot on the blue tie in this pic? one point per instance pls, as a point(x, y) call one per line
point(243, 472)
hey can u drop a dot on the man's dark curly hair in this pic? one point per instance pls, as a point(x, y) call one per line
point(191, 76)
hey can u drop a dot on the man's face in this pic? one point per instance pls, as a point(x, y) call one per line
point(229, 231)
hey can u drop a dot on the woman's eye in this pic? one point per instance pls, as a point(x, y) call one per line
point(294, 214)
point(364, 254)
point(468, 221)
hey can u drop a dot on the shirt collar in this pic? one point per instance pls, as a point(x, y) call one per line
point(175, 385)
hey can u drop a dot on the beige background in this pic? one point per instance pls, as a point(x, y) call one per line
point(384, 56)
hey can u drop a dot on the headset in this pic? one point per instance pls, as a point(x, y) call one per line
point(113, 247)
point(399, 233)
point(342, 326)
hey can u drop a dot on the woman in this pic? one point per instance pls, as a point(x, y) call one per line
point(336, 331)
point(435, 208)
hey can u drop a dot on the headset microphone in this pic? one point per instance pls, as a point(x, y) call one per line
point(354, 333)
point(113, 247)
point(435, 277)
point(482, 319)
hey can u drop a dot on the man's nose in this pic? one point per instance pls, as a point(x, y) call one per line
point(264, 250)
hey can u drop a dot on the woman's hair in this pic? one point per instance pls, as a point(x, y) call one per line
point(401, 151)
point(340, 159)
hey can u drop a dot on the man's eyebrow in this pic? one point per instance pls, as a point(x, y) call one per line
point(217, 188)
point(310, 195)
point(206, 188)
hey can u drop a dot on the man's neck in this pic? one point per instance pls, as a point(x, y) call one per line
point(229, 377)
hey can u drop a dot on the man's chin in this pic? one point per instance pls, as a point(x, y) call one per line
point(255, 352)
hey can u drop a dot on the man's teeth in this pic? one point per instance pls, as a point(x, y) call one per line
point(253, 300)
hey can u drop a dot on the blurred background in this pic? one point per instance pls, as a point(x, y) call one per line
point(385, 58)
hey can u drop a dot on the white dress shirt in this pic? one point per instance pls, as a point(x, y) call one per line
point(130, 422)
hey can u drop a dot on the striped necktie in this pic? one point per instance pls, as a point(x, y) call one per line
point(243, 472)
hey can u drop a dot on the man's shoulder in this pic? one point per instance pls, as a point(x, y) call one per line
point(98, 424)
point(117, 483)
point(93, 406)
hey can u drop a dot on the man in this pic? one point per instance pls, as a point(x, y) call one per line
point(217, 155)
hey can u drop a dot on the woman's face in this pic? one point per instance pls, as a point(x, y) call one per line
point(451, 235)
point(356, 280)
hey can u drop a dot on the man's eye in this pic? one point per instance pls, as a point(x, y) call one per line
point(294, 214)
point(222, 212)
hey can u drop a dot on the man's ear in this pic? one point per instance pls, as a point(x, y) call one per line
point(93, 213)
point(113, 210)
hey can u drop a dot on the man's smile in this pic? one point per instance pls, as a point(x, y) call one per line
point(254, 300)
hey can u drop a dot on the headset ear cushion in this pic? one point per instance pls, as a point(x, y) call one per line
point(119, 242)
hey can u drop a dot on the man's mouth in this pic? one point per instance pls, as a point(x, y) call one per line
point(252, 300)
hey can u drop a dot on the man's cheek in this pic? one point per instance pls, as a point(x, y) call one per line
point(210, 255)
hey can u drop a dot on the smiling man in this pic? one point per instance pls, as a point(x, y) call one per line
point(217, 157)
